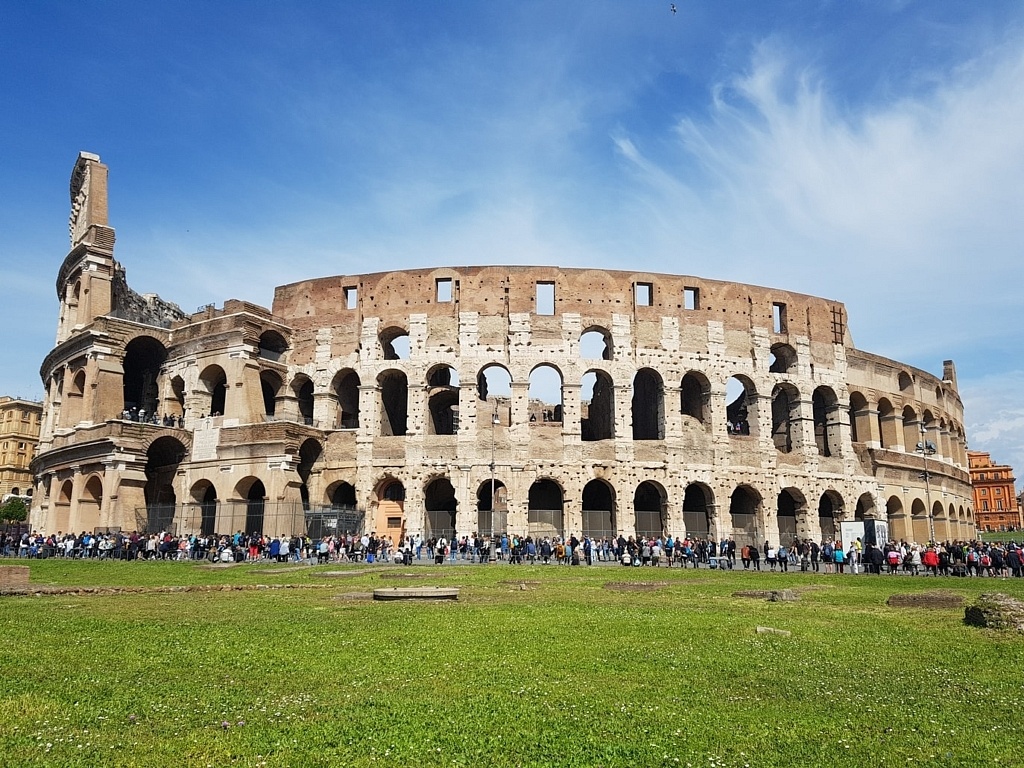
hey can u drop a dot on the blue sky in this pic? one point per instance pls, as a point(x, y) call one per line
point(870, 152)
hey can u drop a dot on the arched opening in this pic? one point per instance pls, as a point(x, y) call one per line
point(791, 506)
point(205, 494)
point(90, 504)
point(599, 510)
point(394, 343)
point(648, 408)
point(865, 507)
point(694, 396)
point(596, 344)
point(781, 359)
point(270, 384)
point(441, 505)
point(491, 510)
point(785, 416)
point(272, 345)
point(860, 415)
point(649, 509)
point(741, 408)
point(494, 387)
point(939, 522)
point(929, 437)
point(346, 390)
point(309, 452)
point(255, 504)
point(697, 511)
point(597, 407)
point(162, 459)
point(897, 519)
point(214, 386)
point(443, 400)
point(744, 508)
point(545, 394)
point(73, 303)
point(343, 496)
point(303, 389)
point(911, 429)
point(394, 402)
point(143, 358)
point(390, 514)
point(546, 504)
point(74, 400)
point(886, 424)
point(906, 384)
point(830, 507)
point(177, 404)
point(825, 406)
point(919, 522)
point(62, 506)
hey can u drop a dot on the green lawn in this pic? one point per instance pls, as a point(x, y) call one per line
point(564, 672)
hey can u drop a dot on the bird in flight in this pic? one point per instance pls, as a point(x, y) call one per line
point(672, 7)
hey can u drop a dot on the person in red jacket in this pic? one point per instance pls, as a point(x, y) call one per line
point(930, 560)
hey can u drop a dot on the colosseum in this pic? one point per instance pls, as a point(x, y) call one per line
point(482, 399)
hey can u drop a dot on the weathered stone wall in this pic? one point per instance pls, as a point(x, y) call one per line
point(316, 400)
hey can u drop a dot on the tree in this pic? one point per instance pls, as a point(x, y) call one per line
point(14, 510)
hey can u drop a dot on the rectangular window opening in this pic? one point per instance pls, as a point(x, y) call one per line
point(545, 298)
point(779, 317)
point(444, 289)
point(644, 294)
point(691, 298)
point(351, 296)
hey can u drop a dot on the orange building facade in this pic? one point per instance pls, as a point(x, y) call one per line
point(995, 498)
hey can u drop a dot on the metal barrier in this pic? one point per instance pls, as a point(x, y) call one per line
point(273, 518)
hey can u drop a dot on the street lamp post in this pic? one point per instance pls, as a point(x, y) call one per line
point(927, 448)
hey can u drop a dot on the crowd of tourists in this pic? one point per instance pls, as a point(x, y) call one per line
point(951, 558)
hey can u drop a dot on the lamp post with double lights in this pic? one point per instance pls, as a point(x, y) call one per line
point(927, 448)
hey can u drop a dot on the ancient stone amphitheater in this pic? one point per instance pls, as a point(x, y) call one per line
point(462, 399)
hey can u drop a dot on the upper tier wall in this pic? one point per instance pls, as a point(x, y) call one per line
point(593, 294)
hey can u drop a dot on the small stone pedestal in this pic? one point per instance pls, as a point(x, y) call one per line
point(416, 593)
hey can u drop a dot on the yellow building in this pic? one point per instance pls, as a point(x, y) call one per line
point(19, 436)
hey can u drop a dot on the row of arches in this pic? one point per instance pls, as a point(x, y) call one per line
point(145, 356)
point(910, 430)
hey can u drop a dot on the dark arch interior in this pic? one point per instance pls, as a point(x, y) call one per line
point(254, 506)
point(695, 512)
point(743, 510)
point(162, 460)
point(143, 358)
point(647, 406)
point(598, 510)
point(441, 504)
point(344, 496)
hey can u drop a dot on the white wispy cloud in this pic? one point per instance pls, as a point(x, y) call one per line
point(910, 208)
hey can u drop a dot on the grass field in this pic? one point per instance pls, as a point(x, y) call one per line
point(572, 670)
